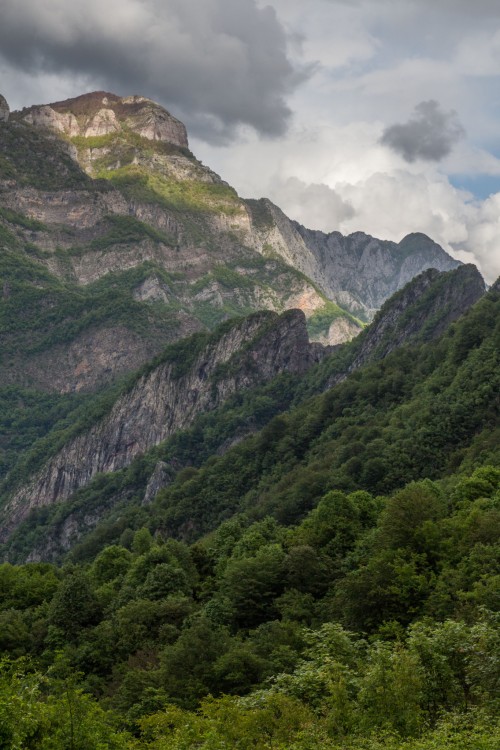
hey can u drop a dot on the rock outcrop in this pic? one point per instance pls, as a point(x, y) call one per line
point(164, 400)
point(101, 113)
point(4, 109)
point(358, 272)
point(161, 477)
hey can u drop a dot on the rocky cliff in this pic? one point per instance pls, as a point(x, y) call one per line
point(166, 399)
point(359, 272)
point(126, 242)
point(4, 109)
point(100, 114)
point(195, 377)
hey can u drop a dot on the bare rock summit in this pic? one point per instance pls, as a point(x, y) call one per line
point(100, 113)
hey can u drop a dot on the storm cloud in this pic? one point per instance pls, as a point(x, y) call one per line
point(217, 64)
point(429, 135)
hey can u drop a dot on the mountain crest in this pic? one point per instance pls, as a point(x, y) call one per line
point(100, 113)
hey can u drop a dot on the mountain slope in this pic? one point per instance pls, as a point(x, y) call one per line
point(191, 378)
point(423, 411)
point(103, 193)
point(415, 314)
point(115, 268)
point(358, 272)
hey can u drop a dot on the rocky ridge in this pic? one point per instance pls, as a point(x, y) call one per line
point(192, 225)
point(165, 400)
point(254, 351)
point(101, 113)
point(358, 272)
point(422, 311)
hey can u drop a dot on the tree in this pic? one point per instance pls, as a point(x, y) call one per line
point(74, 605)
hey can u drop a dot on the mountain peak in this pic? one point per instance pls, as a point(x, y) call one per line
point(101, 113)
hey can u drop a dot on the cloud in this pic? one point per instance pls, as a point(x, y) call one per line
point(429, 135)
point(218, 64)
point(482, 238)
point(317, 206)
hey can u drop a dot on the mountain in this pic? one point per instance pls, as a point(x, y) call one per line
point(234, 536)
point(358, 272)
point(117, 242)
point(427, 410)
point(191, 377)
point(128, 242)
point(207, 375)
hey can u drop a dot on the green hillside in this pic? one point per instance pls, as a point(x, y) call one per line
point(318, 566)
point(333, 583)
point(423, 412)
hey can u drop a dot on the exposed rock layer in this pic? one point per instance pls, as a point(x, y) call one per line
point(101, 113)
point(358, 271)
point(421, 311)
point(161, 402)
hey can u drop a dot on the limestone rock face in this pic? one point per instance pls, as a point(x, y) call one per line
point(100, 113)
point(4, 109)
point(45, 117)
point(103, 123)
point(252, 351)
point(371, 270)
point(160, 478)
point(340, 331)
point(358, 272)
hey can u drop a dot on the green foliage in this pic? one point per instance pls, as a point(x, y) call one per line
point(342, 588)
point(31, 158)
point(179, 195)
point(73, 606)
point(21, 220)
point(166, 625)
point(262, 217)
point(27, 415)
point(320, 321)
point(50, 712)
point(127, 230)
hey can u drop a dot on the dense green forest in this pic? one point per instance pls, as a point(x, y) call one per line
point(373, 620)
point(332, 581)
point(427, 410)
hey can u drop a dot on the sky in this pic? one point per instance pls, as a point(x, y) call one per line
point(380, 116)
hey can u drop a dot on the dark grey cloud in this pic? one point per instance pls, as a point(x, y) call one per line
point(217, 64)
point(429, 135)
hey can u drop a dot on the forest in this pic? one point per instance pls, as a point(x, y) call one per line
point(332, 581)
